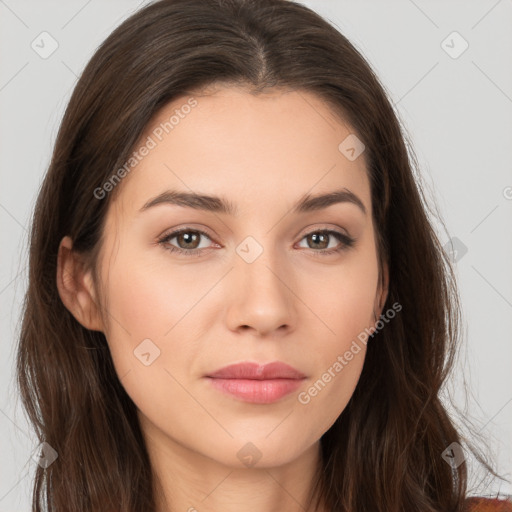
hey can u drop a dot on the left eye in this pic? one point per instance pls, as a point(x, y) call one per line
point(322, 238)
point(189, 239)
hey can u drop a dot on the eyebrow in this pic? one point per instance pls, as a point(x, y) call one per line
point(217, 204)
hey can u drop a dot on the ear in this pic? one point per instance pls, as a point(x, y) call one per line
point(382, 291)
point(76, 287)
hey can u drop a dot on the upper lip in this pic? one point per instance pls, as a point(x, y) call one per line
point(255, 371)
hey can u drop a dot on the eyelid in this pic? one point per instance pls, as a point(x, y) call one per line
point(313, 228)
point(188, 227)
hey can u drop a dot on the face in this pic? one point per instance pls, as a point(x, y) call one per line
point(262, 281)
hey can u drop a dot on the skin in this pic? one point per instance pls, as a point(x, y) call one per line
point(263, 153)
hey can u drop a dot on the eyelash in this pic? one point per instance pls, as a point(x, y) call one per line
point(346, 242)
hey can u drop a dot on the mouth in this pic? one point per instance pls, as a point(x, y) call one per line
point(258, 384)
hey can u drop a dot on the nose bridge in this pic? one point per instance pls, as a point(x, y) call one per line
point(260, 294)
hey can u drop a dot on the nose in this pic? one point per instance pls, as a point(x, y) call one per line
point(261, 297)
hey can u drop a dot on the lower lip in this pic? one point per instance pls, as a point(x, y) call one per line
point(257, 391)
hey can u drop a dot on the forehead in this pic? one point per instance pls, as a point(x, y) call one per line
point(261, 150)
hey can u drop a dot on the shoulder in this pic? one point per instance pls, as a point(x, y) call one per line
point(477, 504)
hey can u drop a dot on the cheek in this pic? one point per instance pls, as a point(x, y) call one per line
point(152, 336)
point(343, 307)
point(152, 317)
point(151, 300)
point(343, 300)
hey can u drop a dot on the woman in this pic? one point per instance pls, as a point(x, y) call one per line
point(236, 299)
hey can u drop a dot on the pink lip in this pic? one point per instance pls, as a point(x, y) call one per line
point(255, 383)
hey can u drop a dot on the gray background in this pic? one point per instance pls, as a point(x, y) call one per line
point(457, 111)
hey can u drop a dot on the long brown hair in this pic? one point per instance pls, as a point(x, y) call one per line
point(383, 453)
